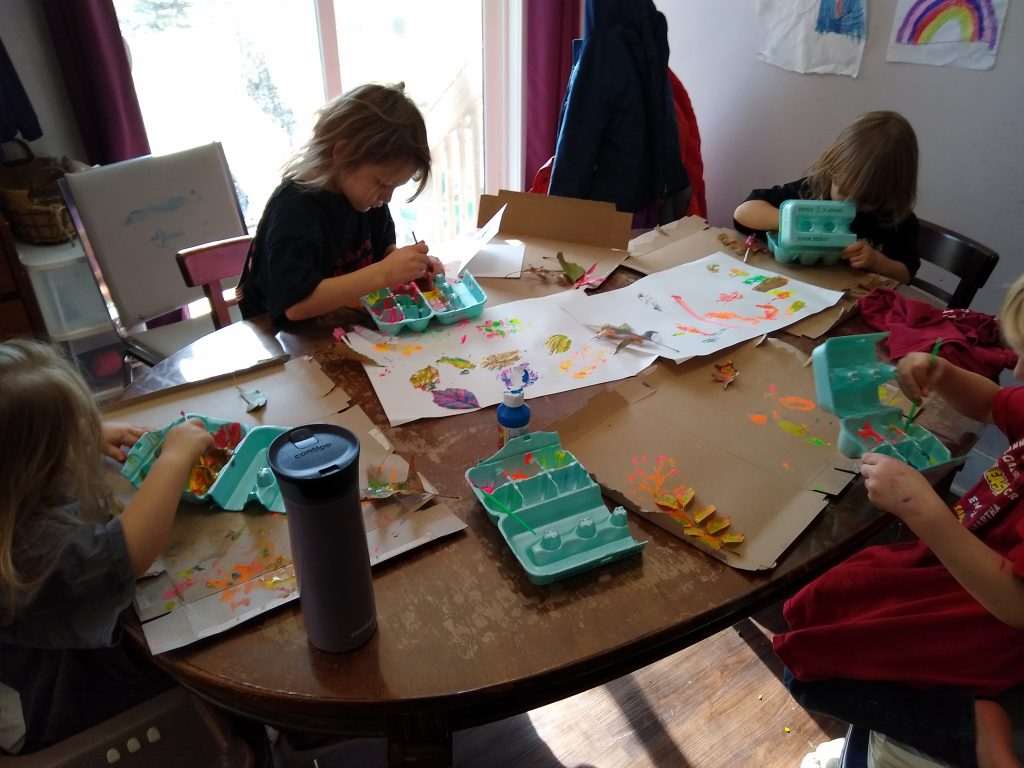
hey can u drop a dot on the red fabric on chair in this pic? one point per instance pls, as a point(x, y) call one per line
point(970, 339)
point(689, 146)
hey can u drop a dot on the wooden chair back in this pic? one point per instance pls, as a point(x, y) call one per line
point(207, 265)
point(967, 259)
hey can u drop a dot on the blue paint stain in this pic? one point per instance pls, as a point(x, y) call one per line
point(843, 17)
point(167, 206)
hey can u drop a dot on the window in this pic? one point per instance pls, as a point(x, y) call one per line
point(252, 73)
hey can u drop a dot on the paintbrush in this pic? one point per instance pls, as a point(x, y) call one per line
point(917, 403)
point(502, 508)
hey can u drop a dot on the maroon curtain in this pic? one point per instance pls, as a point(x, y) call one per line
point(98, 78)
point(551, 27)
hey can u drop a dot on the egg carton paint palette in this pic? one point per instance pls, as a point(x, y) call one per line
point(406, 306)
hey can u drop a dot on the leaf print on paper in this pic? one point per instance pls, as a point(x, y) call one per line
point(558, 343)
point(455, 399)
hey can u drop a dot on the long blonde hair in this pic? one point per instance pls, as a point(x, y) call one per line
point(369, 125)
point(51, 441)
point(874, 163)
point(1011, 318)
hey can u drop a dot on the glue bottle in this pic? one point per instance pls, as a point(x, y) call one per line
point(513, 416)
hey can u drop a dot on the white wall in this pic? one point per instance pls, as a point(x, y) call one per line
point(27, 40)
point(761, 125)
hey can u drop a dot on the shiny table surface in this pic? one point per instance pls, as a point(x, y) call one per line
point(464, 637)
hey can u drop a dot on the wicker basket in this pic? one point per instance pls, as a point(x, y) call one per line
point(31, 201)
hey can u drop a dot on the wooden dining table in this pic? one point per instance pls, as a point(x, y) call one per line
point(464, 637)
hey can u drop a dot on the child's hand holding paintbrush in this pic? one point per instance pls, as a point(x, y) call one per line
point(918, 373)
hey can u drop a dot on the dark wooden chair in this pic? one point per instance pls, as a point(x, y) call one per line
point(206, 265)
point(967, 259)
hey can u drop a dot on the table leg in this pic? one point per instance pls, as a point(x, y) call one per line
point(423, 740)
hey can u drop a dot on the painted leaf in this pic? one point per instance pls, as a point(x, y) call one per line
point(572, 270)
point(696, 532)
point(228, 436)
point(558, 343)
point(686, 496)
point(458, 362)
point(703, 514)
point(426, 379)
point(455, 399)
point(668, 502)
point(718, 524)
point(732, 538)
point(500, 360)
point(253, 399)
point(711, 541)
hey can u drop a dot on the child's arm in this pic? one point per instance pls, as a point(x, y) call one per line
point(862, 256)
point(400, 265)
point(758, 215)
point(147, 519)
point(971, 394)
point(988, 576)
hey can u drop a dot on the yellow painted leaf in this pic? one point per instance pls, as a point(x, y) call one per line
point(703, 514)
point(733, 538)
point(711, 541)
point(696, 532)
point(558, 343)
point(718, 524)
point(685, 497)
point(425, 378)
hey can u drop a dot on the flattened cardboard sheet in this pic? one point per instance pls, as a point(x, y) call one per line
point(759, 450)
point(586, 232)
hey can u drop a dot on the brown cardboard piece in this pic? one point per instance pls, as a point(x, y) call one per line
point(759, 450)
point(585, 231)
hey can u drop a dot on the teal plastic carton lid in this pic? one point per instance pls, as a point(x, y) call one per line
point(246, 476)
point(813, 231)
point(847, 377)
point(549, 509)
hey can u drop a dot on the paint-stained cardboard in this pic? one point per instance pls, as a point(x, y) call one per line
point(586, 232)
point(760, 450)
point(221, 568)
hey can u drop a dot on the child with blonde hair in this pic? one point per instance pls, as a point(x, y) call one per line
point(67, 568)
point(924, 641)
point(873, 164)
point(326, 237)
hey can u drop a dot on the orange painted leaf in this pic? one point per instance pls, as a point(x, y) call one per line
point(733, 538)
point(703, 514)
point(719, 524)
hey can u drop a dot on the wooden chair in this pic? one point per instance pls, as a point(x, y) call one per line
point(967, 259)
point(206, 265)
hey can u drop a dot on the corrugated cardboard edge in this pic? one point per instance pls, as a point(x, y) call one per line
point(568, 219)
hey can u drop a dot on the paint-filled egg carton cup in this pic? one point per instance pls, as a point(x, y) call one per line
point(406, 306)
point(549, 509)
point(244, 477)
point(813, 231)
point(847, 375)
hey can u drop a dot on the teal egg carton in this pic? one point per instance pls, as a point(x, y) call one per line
point(549, 509)
point(406, 306)
point(847, 375)
point(245, 478)
point(813, 231)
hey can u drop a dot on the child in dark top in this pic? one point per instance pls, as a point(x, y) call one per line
point(872, 163)
point(923, 640)
point(67, 569)
point(326, 237)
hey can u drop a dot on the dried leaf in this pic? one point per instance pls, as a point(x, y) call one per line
point(254, 399)
point(732, 538)
point(703, 514)
point(572, 270)
point(718, 524)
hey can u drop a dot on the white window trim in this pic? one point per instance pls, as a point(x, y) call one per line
point(504, 61)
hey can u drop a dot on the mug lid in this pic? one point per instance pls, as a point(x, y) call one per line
point(313, 452)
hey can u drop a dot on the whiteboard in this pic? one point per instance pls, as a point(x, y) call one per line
point(134, 216)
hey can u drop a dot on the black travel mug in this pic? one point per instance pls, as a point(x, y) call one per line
point(317, 469)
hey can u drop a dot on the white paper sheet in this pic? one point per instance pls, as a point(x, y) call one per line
point(703, 306)
point(820, 36)
point(947, 32)
point(450, 369)
point(501, 260)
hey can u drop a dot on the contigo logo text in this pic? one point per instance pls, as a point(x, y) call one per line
point(314, 449)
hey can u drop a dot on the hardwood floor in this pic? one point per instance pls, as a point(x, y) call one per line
point(718, 704)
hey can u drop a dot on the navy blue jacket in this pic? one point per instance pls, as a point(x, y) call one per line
point(618, 139)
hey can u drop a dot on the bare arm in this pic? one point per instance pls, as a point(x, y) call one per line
point(757, 214)
point(400, 265)
point(147, 519)
point(988, 576)
point(862, 256)
point(971, 394)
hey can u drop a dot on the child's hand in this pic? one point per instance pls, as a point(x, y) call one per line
point(186, 442)
point(918, 373)
point(403, 265)
point(898, 488)
point(434, 268)
point(862, 256)
point(118, 435)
